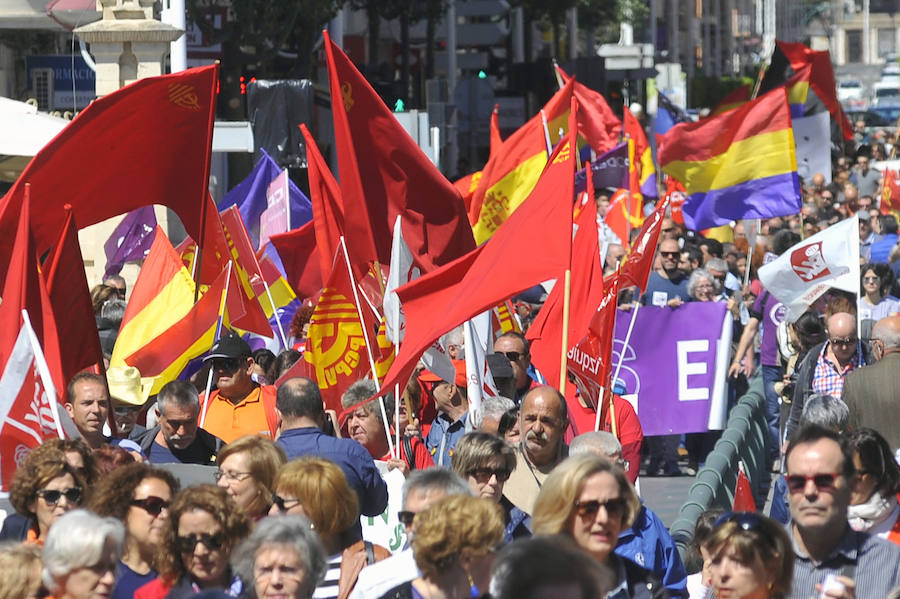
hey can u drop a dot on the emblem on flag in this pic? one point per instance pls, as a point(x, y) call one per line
point(335, 339)
point(347, 95)
point(809, 262)
point(184, 96)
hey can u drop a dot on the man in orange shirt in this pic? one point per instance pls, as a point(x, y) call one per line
point(239, 406)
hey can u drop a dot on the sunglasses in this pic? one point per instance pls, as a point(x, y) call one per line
point(152, 505)
point(52, 496)
point(123, 411)
point(744, 520)
point(189, 543)
point(823, 481)
point(871, 279)
point(483, 475)
point(406, 518)
point(282, 503)
point(615, 508)
point(512, 356)
point(845, 341)
point(670, 254)
point(226, 364)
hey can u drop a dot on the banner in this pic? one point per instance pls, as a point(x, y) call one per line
point(387, 530)
point(674, 366)
point(276, 218)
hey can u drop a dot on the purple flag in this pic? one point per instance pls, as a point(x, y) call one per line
point(675, 366)
point(609, 170)
point(131, 240)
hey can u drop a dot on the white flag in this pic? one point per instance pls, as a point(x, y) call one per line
point(401, 272)
point(478, 376)
point(437, 361)
point(829, 258)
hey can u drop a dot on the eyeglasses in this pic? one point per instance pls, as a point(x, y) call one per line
point(406, 518)
point(52, 496)
point(670, 254)
point(512, 356)
point(822, 481)
point(483, 475)
point(231, 476)
point(744, 520)
point(845, 341)
point(189, 543)
point(282, 503)
point(225, 364)
point(123, 411)
point(871, 279)
point(152, 505)
point(615, 507)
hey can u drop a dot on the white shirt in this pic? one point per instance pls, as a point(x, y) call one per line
point(377, 579)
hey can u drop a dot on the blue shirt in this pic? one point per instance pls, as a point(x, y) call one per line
point(881, 249)
point(128, 581)
point(354, 460)
point(660, 290)
point(443, 436)
point(649, 544)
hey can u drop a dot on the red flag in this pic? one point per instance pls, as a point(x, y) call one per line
point(505, 265)
point(153, 140)
point(743, 495)
point(496, 140)
point(586, 294)
point(624, 214)
point(300, 255)
point(639, 261)
point(327, 207)
point(890, 192)
point(70, 298)
point(399, 179)
point(597, 123)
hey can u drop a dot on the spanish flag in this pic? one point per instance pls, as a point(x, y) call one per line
point(741, 164)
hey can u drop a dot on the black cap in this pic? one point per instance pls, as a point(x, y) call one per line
point(229, 346)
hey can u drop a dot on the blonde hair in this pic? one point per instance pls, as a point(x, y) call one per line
point(323, 491)
point(765, 542)
point(476, 449)
point(17, 562)
point(264, 458)
point(555, 504)
point(451, 525)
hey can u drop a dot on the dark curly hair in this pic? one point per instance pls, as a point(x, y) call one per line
point(113, 494)
point(215, 502)
point(38, 469)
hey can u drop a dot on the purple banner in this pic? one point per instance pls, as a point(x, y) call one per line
point(131, 240)
point(674, 366)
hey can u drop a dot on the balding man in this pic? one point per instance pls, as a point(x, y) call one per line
point(826, 365)
point(543, 419)
point(667, 286)
point(871, 392)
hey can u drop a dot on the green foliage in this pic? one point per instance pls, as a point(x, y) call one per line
point(706, 92)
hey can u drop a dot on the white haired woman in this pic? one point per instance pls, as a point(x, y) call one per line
point(283, 557)
point(80, 555)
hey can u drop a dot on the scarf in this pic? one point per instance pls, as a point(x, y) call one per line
point(864, 516)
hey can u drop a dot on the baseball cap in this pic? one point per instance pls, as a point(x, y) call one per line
point(229, 345)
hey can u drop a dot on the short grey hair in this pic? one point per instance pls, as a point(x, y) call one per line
point(457, 337)
point(491, 407)
point(825, 410)
point(886, 335)
point(599, 443)
point(179, 393)
point(716, 264)
point(78, 540)
point(697, 277)
point(113, 310)
point(362, 390)
point(285, 530)
point(435, 479)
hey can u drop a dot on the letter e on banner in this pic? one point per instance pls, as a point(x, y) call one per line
point(687, 368)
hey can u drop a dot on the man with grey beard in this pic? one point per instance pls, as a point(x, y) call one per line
point(543, 419)
point(177, 438)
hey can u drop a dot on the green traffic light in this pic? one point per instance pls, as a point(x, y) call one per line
point(482, 75)
point(399, 106)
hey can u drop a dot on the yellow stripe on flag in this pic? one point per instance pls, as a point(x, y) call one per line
point(506, 195)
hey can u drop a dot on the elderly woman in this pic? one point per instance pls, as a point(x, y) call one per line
point(589, 499)
point(247, 469)
point(454, 547)
point(80, 555)
point(703, 287)
point(873, 496)
point(21, 567)
point(283, 558)
point(317, 488)
point(138, 495)
point(485, 461)
point(750, 556)
point(203, 527)
point(365, 425)
point(44, 488)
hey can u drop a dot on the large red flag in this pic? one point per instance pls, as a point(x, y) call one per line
point(300, 255)
point(384, 174)
point(597, 123)
point(70, 298)
point(327, 206)
point(147, 143)
point(533, 245)
point(639, 261)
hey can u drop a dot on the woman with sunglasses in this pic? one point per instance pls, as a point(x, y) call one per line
point(203, 527)
point(485, 461)
point(138, 495)
point(589, 499)
point(875, 299)
point(750, 557)
point(247, 469)
point(873, 495)
point(44, 488)
point(317, 488)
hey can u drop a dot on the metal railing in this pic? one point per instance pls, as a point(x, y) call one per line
point(744, 439)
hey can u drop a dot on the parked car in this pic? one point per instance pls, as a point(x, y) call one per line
point(850, 89)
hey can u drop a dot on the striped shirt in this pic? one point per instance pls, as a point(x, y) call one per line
point(872, 563)
point(328, 589)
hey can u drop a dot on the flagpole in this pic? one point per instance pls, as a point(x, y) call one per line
point(546, 133)
point(559, 79)
point(221, 318)
point(612, 341)
point(397, 398)
point(284, 343)
point(622, 360)
point(564, 353)
point(365, 332)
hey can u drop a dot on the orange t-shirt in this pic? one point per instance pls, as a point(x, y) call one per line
point(230, 421)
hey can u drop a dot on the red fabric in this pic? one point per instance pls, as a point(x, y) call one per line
point(732, 100)
point(421, 456)
point(507, 263)
point(300, 252)
point(585, 295)
point(617, 217)
point(327, 207)
point(152, 139)
point(155, 589)
point(496, 139)
point(639, 261)
point(70, 298)
point(628, 428)
point(743, 496)
point(373, 148)
point(597, 122)
point(890, 192)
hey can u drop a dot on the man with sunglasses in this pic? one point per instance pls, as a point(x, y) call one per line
point(515, 347)
point(668, 285)
point(819, 477)
point(239, 406)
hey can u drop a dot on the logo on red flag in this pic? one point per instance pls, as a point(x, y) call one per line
point(184, 96)
point(809, 262)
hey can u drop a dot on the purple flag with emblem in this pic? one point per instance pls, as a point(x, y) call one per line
point(609, 170)
point(675, 366)
point(131, 240)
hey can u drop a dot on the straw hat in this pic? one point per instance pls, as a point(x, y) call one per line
point(127, 386)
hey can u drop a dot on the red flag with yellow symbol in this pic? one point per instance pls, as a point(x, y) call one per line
point(625, 214)
point(890, 192)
